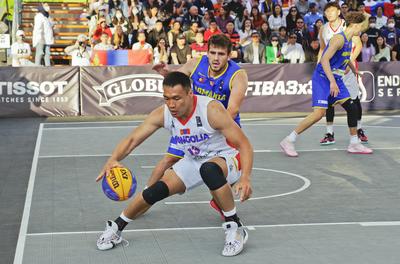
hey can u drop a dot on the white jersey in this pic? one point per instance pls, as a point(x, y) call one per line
point(195, 137)
point(328, 31)
point(20, 49)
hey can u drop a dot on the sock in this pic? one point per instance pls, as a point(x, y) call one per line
point(329, 129)
point(232, 216)
point(358, 124)
point(354, 139)
point(293, 136)
point(122, 221)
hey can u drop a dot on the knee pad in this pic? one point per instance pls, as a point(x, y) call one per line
point(212, 175)
point(330, 113)
point(156, 192)
point(352, 112)
point(359, 107)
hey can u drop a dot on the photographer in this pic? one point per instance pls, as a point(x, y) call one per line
point(80, 52)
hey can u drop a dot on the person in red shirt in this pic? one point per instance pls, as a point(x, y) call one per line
point(199, 47)
point(101, 27)
point(211, 31)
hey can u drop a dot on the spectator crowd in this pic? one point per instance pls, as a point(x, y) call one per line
point(265, 31)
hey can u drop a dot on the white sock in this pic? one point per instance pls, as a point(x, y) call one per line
point(354, 139)
point(293, 136)
point(230, 213)
point(329, 129)
point(126, 219)
point(358, 124)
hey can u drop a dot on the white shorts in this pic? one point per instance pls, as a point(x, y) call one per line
point(188, 170)
point(350, 81)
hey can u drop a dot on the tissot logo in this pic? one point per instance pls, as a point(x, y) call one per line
point(32, 88)
point(127, 86)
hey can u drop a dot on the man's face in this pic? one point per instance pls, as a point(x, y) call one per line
point(217, 57)
point(181, 41)
point(194, 27)
point(213, 25)
point(178, 100)
point(292, 39)
point(300, 23)
point(141, 37)
point(332, 13)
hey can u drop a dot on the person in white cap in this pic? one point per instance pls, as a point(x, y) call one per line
point(80, 52)
point(20, 51)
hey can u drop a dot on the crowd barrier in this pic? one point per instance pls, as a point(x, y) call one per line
point(128, 90)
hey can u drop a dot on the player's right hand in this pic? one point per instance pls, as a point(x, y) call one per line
point(334, 89)
point(107, 167)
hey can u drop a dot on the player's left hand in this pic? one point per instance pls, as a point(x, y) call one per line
point(334, 89)
point(243, 188)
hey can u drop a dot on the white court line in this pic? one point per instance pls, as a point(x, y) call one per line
point(83, 128)
point(19, 251)
point(163, 153)
point(251, 227)
point(306, 184)
point(244, 119)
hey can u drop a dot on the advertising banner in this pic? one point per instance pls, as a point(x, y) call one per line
point(120, 90)
point(39, 91)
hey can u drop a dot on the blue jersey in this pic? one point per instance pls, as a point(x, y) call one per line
point(218, 88)
point(339, 60)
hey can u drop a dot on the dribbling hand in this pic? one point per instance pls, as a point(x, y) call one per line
point(107, 167)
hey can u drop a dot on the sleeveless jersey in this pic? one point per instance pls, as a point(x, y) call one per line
point(218, 88)
point(328, 31)
point(194, 136)
point(339, 60)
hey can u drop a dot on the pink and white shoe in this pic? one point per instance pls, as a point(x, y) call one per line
point(288, 147)
point(358, 148)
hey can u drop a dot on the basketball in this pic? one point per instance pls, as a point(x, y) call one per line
point(119, 184)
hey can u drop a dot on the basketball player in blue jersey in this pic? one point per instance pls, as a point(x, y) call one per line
point(213, 75)
point(328, 87)
point(208, 160)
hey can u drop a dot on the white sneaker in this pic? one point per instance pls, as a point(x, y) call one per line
point(110, 237)
point(235, 239)
point(288, 147)
point(358, 148)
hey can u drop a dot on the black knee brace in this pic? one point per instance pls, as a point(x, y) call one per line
point(156, 192)
point(352, 112)
point(330, 114)
point(212, 175)
point(359, 107)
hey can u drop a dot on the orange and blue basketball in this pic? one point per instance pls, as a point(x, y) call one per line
point(119, 185)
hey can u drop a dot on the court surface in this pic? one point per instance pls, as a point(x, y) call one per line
point(326, 206)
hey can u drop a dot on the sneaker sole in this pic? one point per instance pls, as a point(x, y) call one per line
point(360, 152)
point(327, 143)
point(287, 153)
point(246, 237)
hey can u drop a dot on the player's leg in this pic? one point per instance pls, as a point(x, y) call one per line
point(329, 137)
point(320, 95)
point(218, 177)
point(343, 98)
point(360, 131)
point(169, 184)
point(165, 163)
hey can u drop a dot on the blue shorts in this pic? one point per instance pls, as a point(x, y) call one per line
point(321, 97)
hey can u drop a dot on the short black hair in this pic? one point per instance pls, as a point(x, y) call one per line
point(331, 4)
point(177, 78)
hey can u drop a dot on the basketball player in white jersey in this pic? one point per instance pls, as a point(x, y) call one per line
point(334, 26)
point(200, 127)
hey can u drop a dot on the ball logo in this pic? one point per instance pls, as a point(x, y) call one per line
point(114, 181)
point(135, 85)
point(124, 174)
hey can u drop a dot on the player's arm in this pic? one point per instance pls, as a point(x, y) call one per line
point(357, 48)
point(186, 68)
point(335, 44)
point(219, 119)
point(153, 122)
point(322, 44)
point(238, 92)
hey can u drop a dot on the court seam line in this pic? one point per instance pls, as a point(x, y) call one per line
point(244, 124)
point(159, 154)
point(137, 121)
point(362, 224)
point(23, 231)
